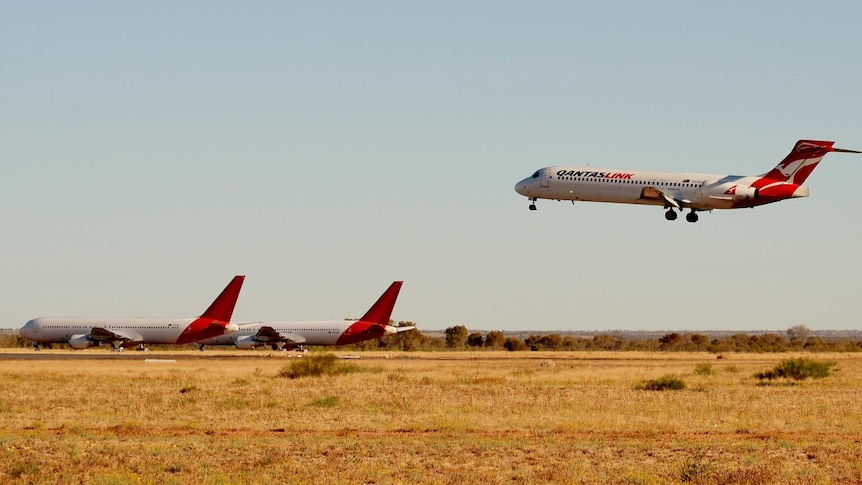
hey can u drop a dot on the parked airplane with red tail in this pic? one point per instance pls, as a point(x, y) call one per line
point(289, 335)
point(81, 333)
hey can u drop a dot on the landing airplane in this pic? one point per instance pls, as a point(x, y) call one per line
point(81, 333)
point(680, 190)
point(289, 335)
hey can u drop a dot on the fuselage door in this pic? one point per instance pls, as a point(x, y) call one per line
point(546, 178)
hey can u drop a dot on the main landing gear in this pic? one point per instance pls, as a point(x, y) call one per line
point(532, 203)
point(671, 215)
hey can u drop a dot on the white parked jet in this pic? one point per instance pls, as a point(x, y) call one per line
point(288, 335)
point(680, 190)
point(81, 333)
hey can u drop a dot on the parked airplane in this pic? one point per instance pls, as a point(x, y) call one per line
point(81, 333)
point(288, 335)
point(680, 190)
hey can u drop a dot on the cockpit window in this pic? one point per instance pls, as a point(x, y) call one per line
point(536, 175)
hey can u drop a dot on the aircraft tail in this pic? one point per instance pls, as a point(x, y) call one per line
point(375, 322)
point(222, 307)
point(380, 312)
point(215, 320)
point(802, 160)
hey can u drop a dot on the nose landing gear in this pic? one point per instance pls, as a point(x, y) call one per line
point(532, 203)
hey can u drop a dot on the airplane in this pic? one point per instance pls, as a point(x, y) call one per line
point(295, 335)
point(680, 190)
point(82, 333)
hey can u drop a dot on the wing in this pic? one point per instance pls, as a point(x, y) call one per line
point(268, 335)
point(99, 334)
point(654, 193)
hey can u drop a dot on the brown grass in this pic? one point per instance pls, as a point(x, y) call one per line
point(428, 418)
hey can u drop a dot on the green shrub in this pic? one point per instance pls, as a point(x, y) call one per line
point(797, 369)
point(664, 383)
point(317, 365)
point(704, 369)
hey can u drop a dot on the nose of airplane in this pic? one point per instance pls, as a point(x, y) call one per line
point(522, 187)
point(29, 328)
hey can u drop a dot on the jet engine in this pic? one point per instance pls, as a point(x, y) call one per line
point(743, 192)
point(79, 342)
point(247, 342)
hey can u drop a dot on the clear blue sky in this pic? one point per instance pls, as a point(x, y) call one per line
point(150, 152)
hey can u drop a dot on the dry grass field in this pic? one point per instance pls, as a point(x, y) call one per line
point(488, 417)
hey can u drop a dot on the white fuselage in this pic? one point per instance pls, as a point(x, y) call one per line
point(148, 330)
point(313, 333)
point(693, 190)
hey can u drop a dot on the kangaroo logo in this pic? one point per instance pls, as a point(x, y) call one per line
point(788, 170)
point(730, 191)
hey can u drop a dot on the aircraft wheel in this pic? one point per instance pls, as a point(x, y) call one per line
point(691, 217)
point(670, 215)
point(532, 207)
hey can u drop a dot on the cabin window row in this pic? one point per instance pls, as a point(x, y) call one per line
point(622, 181)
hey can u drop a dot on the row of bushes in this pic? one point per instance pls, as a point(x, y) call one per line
point(801, 368)
point(797, 369)
point(459, 338)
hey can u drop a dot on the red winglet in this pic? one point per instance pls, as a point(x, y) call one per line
point(380, 312)
point(222, 307)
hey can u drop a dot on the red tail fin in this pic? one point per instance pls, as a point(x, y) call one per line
point(382, 309)
point(222, 307)
point(801, 161)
